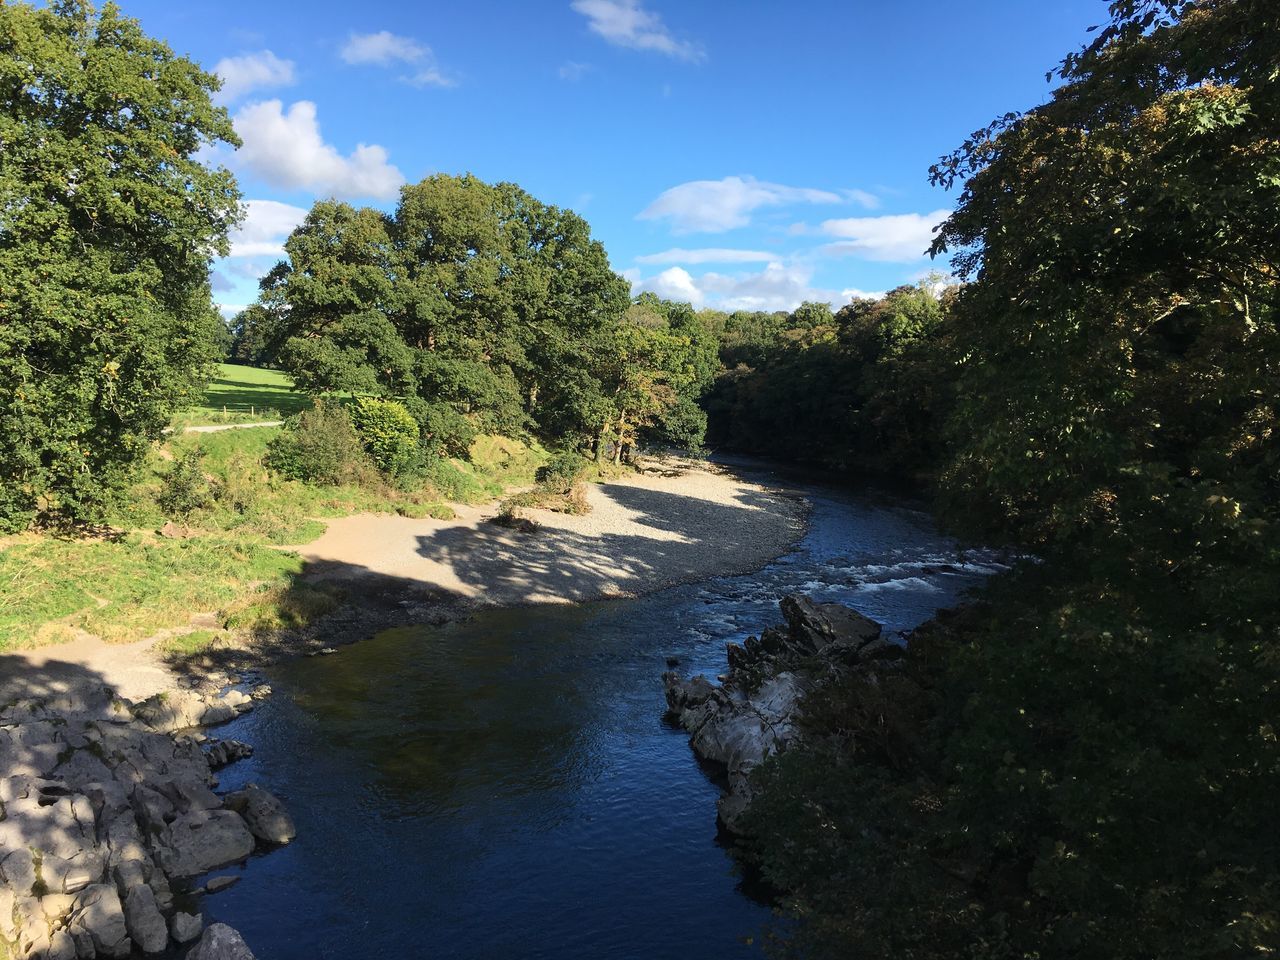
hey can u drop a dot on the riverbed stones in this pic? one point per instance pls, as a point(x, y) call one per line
point(102, 802)
point(753, 713)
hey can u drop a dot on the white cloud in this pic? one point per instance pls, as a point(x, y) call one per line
point(267, 224)
point(229, 310)
point(573, 71)
point(777, 287)
point(713, 206)
point(708, 255)
point(286, 150)
point(853, 293)
point(625, 23)
point(863, 198)
point(896, 238)
point(383, 48)
point(252, 71)
point(674, 283)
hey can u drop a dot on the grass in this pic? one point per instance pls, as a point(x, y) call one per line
point(239, 394)
point(136, 584)
point(127, 588)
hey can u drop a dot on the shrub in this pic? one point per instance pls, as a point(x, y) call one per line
point(319, 446)
point(389, 433)
point(185, 488)
point(564, 470)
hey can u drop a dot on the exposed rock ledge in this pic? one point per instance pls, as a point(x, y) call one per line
point(754, 713)
point(107, 808)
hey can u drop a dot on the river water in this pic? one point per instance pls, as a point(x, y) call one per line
point(506, 787)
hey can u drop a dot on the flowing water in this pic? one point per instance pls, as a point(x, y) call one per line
point(505, 787)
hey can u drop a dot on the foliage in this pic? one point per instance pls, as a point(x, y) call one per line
point(185, 488)
point(389, 434)
point(563, 470)
point(865, 390)
point(108, 221)
point(1095, 766)
point(320, 446)
point(472, 304)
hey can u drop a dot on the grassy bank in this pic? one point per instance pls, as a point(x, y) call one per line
point(229, 574)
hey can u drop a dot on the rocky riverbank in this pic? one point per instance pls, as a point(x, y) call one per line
point(756, 709)
point(110, 818)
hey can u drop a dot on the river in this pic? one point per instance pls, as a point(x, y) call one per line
point(506, 787)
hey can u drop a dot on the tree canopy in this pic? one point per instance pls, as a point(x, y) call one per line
point(108, 221)
point(483, 309)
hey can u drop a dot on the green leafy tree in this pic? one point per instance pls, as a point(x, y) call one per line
point(1088, 766)
point(108, 221)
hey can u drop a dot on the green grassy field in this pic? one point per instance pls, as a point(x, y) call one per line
point(239, 394)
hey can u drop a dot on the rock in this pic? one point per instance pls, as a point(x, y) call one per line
point(99, 912)
point(203, 840)
point(61, 946)
point(881, 649)
point(18, 870)
point(818, 625)
point(222, 752)
point(686, 694)
point(185, 927)
point(142, 917)
point(220, 942)
point(265, 815)
point(176, 531)
point(7, 899)
point(218, 884)
point(753, 714)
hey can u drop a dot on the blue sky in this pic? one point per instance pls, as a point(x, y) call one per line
point(746, 154)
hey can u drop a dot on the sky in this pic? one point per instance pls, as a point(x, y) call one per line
point(750, 154)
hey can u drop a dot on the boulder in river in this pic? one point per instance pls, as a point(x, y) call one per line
point(753, 714)
point(265, 815)
point(220, 942)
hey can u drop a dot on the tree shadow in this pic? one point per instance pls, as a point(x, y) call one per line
point(671, 538)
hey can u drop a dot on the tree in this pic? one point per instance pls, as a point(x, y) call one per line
point(108, 222)
point(473, 303)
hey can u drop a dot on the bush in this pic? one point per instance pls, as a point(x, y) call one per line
point(319, 446)
point(389, 433)
point(185, 488)
point(562, 472)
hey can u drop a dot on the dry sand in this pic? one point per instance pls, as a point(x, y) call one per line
point(683, 523)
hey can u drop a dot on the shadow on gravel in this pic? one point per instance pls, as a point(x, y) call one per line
point(681, 538)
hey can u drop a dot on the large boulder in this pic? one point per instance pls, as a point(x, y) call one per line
point(816, 626)
point(100, 913)
point(186, 926)
point(754, 714)
point(265, 816)
point(143, 919)
point(202, 840)
point(221, 942)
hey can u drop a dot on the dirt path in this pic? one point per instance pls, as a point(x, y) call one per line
point(217, 428)
point(683, 524)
